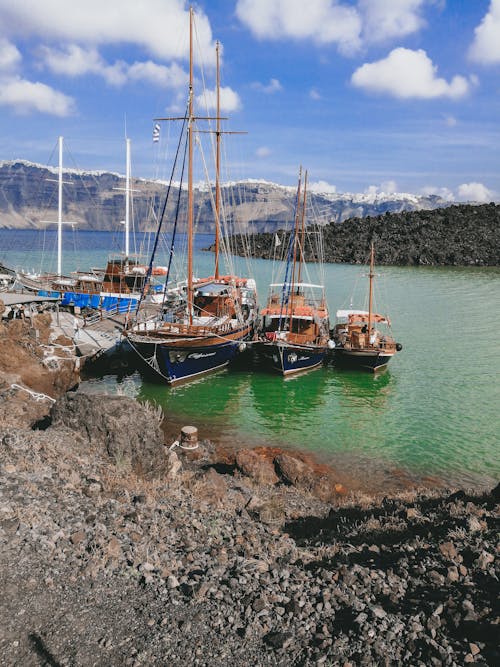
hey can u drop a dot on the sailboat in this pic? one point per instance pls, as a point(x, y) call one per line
point(203, 323)
point(294, 335)
point(123, 278)
point(33, 281)
point(358, 344)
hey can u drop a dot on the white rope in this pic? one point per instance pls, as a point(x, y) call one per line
point(38, 396)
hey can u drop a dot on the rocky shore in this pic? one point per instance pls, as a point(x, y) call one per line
point(117, 550)
point(461, 235)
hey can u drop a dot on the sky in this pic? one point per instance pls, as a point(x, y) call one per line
point(368, 95)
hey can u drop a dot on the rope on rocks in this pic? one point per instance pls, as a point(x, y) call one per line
point(38, 396)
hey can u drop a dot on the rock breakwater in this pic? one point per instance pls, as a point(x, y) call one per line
point(461, 235)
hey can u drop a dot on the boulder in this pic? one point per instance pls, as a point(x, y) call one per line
point(256, 466)
point(128, 431)
point(295, 472)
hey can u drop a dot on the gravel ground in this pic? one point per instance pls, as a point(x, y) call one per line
point(104, 561)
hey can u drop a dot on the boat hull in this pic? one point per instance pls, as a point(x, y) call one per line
point(178, 361)
point(289, 359)
point(368, 360)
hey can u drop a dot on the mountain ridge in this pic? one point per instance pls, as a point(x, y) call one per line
point(28, 197)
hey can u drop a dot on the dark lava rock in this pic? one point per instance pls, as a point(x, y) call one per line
point(127, 430)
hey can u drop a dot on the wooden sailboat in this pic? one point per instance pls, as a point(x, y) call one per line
point(358, 343)
point(294, 335)
point(123, 278)
point(209, 319)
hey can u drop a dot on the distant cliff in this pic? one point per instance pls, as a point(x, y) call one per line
point(28, 196)
point(462, 235)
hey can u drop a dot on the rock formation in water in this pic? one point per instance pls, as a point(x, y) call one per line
point(462, 235)
point(28, 196)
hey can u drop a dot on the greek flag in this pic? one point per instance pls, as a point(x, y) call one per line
point(156, 132)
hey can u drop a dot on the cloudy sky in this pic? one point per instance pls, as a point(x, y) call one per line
point(369, 95)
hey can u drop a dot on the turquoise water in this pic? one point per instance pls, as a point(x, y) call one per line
point(433, 414)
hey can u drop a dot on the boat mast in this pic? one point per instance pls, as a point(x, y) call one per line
point(59, 216)
point(190, 176)
point(370, 298)
point(217, 167)
point(127, 201)
point(295, 240)
point(303, 228)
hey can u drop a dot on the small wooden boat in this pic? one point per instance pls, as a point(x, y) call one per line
point(358, 343)
point(294, 335)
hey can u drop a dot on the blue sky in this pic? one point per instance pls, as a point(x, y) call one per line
point(369, 95)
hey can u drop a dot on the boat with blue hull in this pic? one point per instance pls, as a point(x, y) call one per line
point(294, 332)
point(204, 323)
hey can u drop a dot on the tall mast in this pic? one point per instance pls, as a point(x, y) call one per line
point(217, 168)
point(295, 240)
point(190, 176)
point(127, 202)
point(59, 216)
point(303, 228)
point(370, 299)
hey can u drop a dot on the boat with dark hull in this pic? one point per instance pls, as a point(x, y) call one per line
point(294, 334)
point(358, 343)
point(203, 323)
point(7, 278)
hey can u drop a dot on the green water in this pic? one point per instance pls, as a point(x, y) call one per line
point(433, 413)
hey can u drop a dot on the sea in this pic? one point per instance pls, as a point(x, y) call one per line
point(432, 418)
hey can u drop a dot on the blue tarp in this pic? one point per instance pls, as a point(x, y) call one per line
point(95, 301)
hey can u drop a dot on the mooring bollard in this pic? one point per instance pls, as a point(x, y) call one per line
point(189, 437)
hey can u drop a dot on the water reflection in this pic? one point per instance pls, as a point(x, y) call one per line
point(288, 407)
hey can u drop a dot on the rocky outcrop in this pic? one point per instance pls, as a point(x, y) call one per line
point(35, 369)
point(129, 432)
point(454, 236)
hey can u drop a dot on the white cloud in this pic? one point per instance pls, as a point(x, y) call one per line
point(229, 100)
point(444, 193)
point(387, 187)
point(172, 76)
point(384, 20)
point(10, 56)
point(263, 151)
point(322, 187)
point(474, 192)
point(485, 48)
point(155, 25)
point(322, 21)
point(273, 86)
point(450, 121)
point(75, 60)
point(314, 94)
point(26, 97)
point(407, 74)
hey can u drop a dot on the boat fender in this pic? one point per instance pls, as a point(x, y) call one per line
point(331, 344)
point(399, 347)
point(242, 347)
